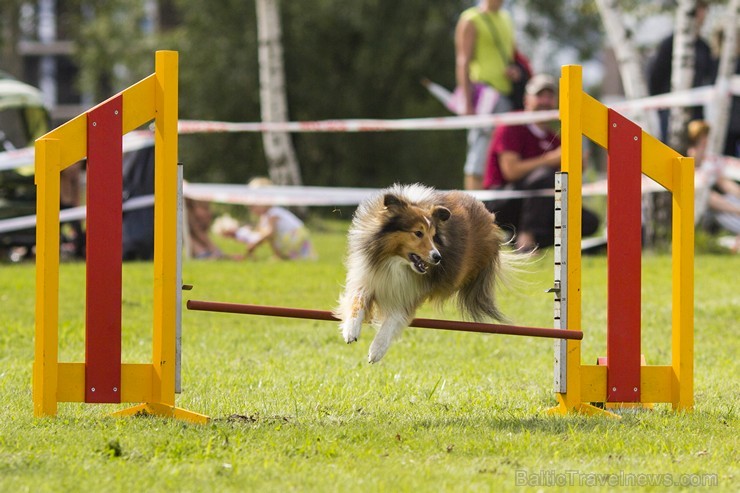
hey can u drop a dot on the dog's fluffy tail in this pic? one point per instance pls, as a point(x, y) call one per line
point(477, 300)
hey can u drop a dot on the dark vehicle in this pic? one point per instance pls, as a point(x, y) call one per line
point(23, 118)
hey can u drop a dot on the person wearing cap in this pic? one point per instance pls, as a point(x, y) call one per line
point(526, 158)
point(484, 53)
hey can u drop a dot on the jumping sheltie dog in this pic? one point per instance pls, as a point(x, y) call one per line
point(409, 244)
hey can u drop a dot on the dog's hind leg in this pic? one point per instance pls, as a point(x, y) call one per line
point(390, 327)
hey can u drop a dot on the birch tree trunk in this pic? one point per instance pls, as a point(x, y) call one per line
point(629, 61)
point(722, 103)
point(631, 71)
point(682, 71)
point(281, 157)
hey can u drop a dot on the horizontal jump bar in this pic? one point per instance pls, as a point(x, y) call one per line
point(425, 323)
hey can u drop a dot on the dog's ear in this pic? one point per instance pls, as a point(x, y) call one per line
point(441, 214)
point(390, 200)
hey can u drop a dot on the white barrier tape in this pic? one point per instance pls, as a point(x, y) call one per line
point(16, 158)
point(332, 197)
point(316, 196)
point(292, 196)
point(690, 97)
point(19, 158)
point(71, 214)
point(368, 125)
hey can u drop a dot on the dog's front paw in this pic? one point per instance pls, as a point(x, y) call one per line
point(351, 329)
point(377, 350)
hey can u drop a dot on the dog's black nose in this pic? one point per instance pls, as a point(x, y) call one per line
point(436, 257)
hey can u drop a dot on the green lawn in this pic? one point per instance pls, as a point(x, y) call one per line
point(296, 409)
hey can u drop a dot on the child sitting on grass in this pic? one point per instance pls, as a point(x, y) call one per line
point(281, 229)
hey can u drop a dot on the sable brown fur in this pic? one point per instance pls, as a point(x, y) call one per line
point(410, 244)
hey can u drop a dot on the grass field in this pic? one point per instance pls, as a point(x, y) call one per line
point(296, 409)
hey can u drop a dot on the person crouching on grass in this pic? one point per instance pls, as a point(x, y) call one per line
point(281, 229)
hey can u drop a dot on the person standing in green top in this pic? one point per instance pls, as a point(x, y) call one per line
point(484, 53)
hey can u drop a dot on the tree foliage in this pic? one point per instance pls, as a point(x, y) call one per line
point(365, 60)
point(219, 80)
point(111, 48)
point(571, 24)
point(358, 59)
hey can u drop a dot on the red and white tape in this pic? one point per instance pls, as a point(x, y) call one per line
point(691, 97)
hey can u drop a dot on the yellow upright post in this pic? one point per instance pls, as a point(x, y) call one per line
point(574, 109)
point(47, 279)
point(682, 388)
point(54, 152)
point(165, 245)
point(165, 226)
point(570, 115)
point(571, 129)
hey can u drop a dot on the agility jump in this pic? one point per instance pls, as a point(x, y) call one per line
point(103, 378)
point(620, 379)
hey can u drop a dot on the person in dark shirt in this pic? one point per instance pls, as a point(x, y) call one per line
point(660, 69)
point(526, 157)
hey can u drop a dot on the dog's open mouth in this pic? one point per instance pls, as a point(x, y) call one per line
point(419, 265)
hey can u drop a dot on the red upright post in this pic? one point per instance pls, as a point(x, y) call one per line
point(624, 173)
point(104, 250)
